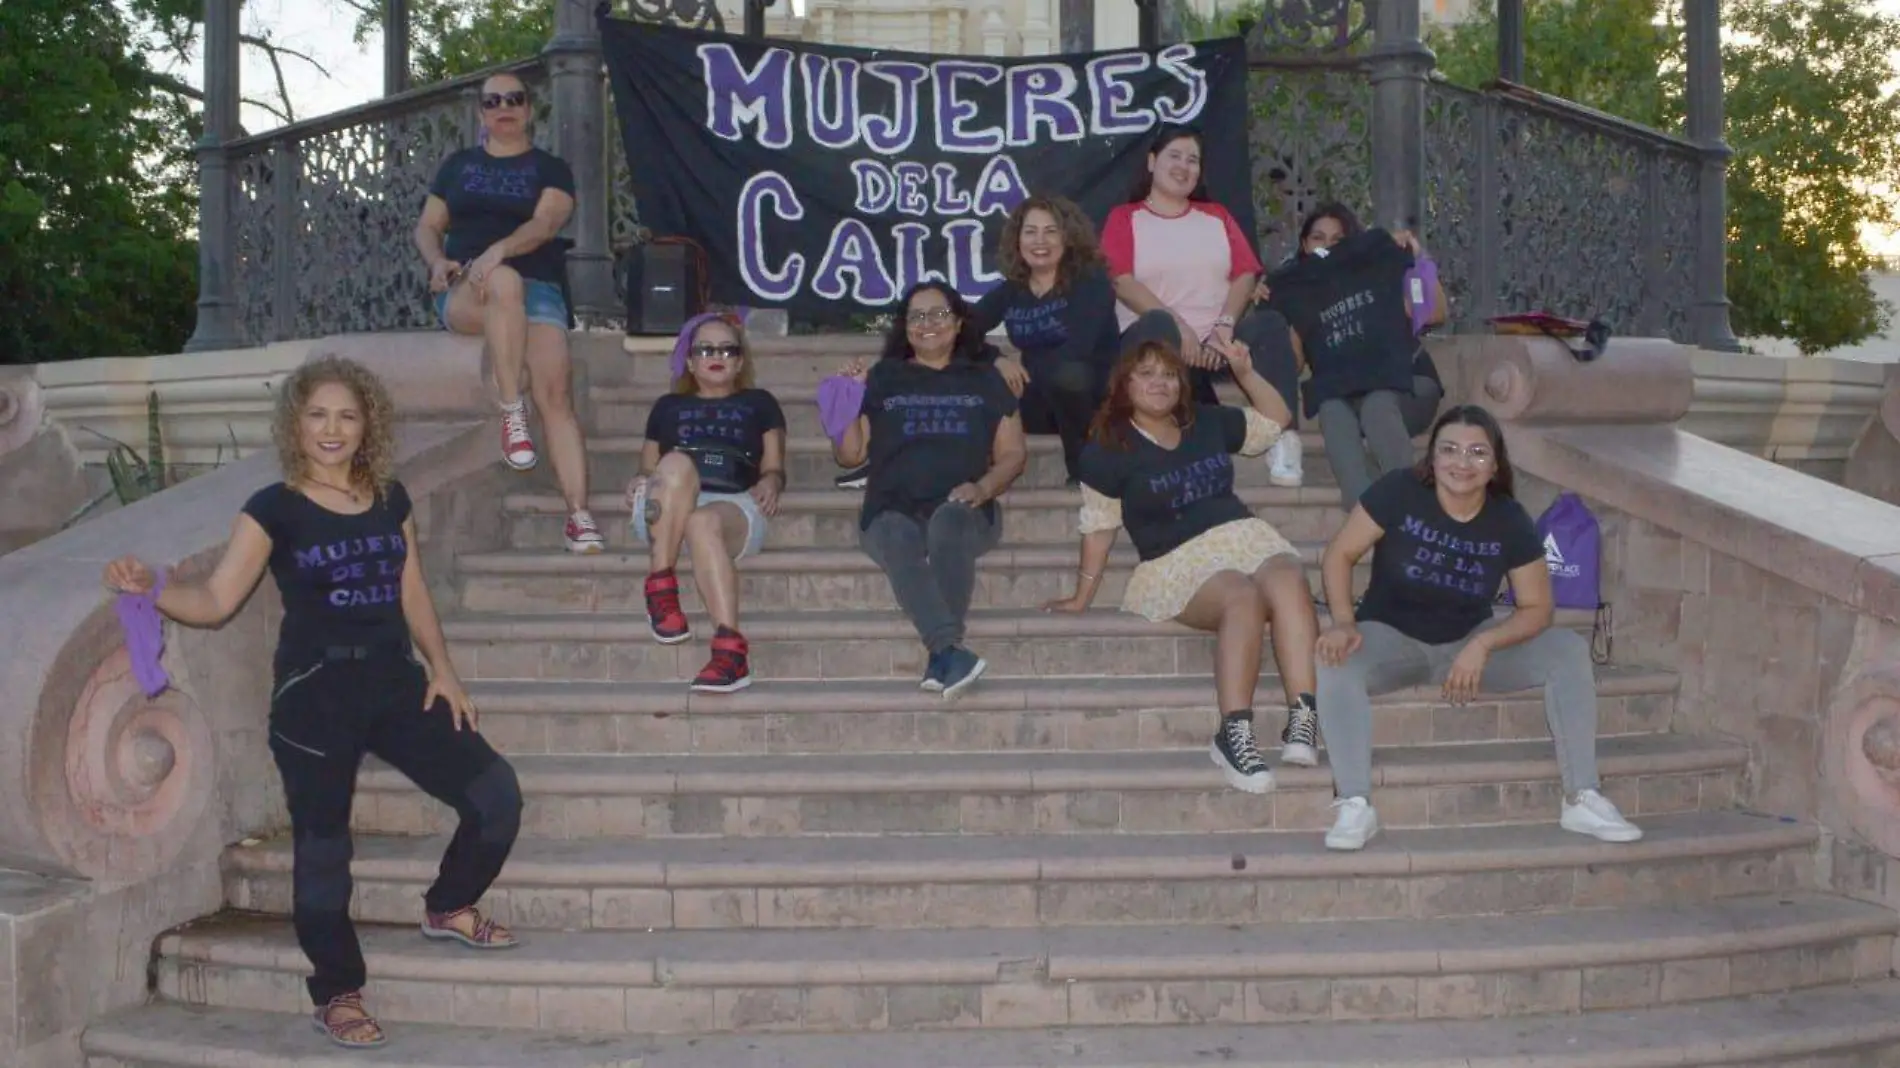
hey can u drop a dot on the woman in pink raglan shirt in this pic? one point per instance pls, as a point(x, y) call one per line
point(1184, 274)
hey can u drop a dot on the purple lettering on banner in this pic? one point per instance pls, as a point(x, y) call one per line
point(967, 273)
point(911, 179)
point(876, 188)
point(1111, 114)
point(1177, 61)
point(1039, 95)
point(771, 284)
point(892, 134)
point(853, 250)
point(911, 268)
point(761, 96)
point(953, 110)
point(1000, 187)
point(948, 199)
point(836, 126)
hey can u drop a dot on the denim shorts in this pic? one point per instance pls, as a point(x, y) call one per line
point(543, 299)
point(755, 521)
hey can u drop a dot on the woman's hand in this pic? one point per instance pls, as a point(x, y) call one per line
point(1467, 674)
point(856, 368)
point(128, 574)
point(1261, 292)
point(445, 686)
point(484, 265)
point(1015, 375)
point(1075, 603)
point(443, 274)
point(1190, 343)
point(1338, 643)
point(766, 491)
point(969, 493)
point(1239, 359)
point(1408, 241)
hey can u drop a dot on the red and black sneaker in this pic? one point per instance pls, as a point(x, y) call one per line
point(727, 671)
point(664, 615)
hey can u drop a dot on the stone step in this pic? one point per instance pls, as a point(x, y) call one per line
point(1169, 790)
point(829, 517)
point(864, 980)
point(619, 647)
point(613, 459)
point(819, 579)
point(904, 881)
point(1000, 714)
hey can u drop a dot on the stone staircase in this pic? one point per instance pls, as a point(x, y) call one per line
point(836, 870)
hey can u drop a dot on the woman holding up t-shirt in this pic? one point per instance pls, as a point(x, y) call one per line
point(714, 466)
point(339, 537)
point(1184, 274)
point(1162, 467)
point(939, 430)
point(498, 270)
point(1444, 535)
point(1056, 302)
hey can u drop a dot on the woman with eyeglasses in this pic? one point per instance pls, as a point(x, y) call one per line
point(498, 271)
point(1444, 536)
point(941, 435)
point(711, 472)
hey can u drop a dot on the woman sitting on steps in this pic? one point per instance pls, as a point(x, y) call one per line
point(712, 469)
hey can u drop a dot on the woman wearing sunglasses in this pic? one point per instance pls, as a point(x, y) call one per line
point(712, 469)
point(497, 269)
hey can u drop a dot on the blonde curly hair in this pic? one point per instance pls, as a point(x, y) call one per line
point(374, 465)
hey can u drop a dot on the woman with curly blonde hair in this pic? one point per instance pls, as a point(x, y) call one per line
point(338, 535)
point(1059, 307)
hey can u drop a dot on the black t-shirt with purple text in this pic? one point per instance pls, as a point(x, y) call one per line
point(1434, 578)
point(931, 431)
point(489, 197)
point(340, 575)
point(1171, 496)
point(740, 421)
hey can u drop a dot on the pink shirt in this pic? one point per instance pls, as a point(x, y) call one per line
point(1187, 261)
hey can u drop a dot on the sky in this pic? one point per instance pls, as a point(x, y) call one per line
point(353, 75)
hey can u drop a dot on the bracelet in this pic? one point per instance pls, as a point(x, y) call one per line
point(1086, 575)
point(1223, 320)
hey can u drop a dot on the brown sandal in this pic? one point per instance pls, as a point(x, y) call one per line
point(483, 933)
point(360, 1031)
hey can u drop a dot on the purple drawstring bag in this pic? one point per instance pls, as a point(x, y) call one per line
point(1421, 289)
point(840, 399)
point(1573, 545)
point(144, 637)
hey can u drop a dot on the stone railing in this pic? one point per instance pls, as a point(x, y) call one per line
point(1775, 596)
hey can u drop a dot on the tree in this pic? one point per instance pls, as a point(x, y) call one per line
point(1811, 116)
point(96, 190)
point(449, 38)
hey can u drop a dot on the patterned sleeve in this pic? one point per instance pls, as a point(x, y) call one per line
point(1261, 433)
point(1099, 511)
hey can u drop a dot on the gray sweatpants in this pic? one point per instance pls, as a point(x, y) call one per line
point(932, 565)
point(1558, 660)
point(1384, 420)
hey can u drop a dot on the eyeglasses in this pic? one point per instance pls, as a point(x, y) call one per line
point(727, 351)
point(1451, 452)
point(929, 316)
point(513, 99)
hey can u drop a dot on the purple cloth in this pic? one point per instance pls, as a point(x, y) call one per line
point(840, 398)
point(1421, 292)
point(685, 341)
point(145, 637)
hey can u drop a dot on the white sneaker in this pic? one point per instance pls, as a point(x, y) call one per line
point(1356, 825)
point(1594, 815)
point(1284, 461)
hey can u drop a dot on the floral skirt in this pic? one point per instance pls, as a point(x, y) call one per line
point(1161, 588)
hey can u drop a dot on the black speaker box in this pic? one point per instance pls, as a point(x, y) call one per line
point(664, 283)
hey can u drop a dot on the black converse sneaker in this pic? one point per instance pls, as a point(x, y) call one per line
point(1299, 742)
point(1238, 757)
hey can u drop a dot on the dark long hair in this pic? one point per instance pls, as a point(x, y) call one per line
point(969, 343)
point(1145, 182)
point(1113, 422)
point(1079, 248)
point(1334, 210)
point(1503, 479)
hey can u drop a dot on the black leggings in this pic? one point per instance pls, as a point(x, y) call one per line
point(1068, 393)
point(327, 710)
point(1268, 339)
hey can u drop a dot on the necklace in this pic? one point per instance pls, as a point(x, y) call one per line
point(354, 496)
point(1156, 208)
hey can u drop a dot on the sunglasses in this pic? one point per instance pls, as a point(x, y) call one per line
point(513, 99)
point(727, 351)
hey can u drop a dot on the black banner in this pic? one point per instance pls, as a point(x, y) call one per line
point(827, 180)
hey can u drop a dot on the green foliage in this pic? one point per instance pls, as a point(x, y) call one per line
point(96, 193)
point(136, 477)
point(1811, 116)
point(449, 38)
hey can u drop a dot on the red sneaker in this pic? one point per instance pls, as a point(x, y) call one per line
point(727, 671)
point(517, 448)
point(664, 616)
point(582, 535)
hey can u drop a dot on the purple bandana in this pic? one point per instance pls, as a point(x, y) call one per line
point(145, 637)
point(685, 341)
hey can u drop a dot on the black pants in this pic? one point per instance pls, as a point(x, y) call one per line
point(325, 714)
point(1268, 339)
point(1063, 396)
